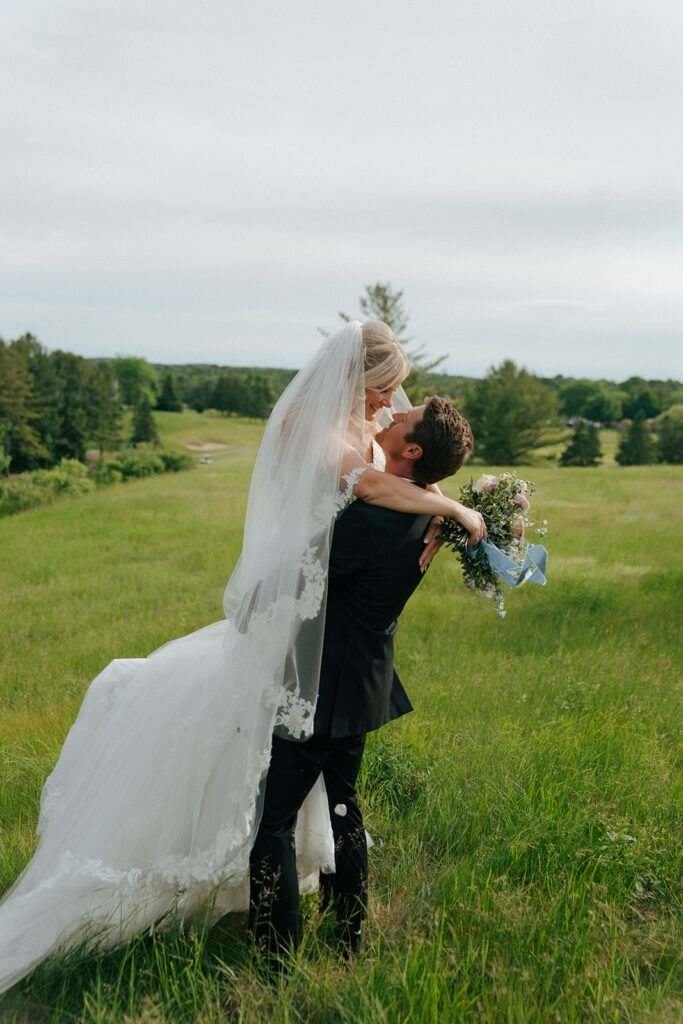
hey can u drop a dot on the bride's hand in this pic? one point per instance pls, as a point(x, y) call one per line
point(432, 543)
point(473, 523)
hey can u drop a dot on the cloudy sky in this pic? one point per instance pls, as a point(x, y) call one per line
point(211, 181)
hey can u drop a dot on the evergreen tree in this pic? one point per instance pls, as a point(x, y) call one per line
point(257, 396)
point(72, 375)
point(227, 394)
point(201, 396)
point(636, 447)
point(144, 427)
point(43, 373)
point(169, 399)
point(508, 411)
point(380, 302)
point(21, 441)
point(104, 408)
point(584, 448)
point(670, 431)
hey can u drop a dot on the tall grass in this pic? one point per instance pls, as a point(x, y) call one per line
point(526, 817)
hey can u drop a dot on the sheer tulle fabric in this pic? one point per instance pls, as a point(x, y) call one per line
point(151, 810)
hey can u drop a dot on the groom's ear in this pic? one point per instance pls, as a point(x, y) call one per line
point(412, 452)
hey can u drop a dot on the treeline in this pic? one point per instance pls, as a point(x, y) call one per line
point(512, 412)
point(240, 390)
point(57, 405)
point(602, 402)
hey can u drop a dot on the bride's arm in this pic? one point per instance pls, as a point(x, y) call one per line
point(391, 491)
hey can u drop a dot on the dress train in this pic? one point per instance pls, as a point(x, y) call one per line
point(149, 814)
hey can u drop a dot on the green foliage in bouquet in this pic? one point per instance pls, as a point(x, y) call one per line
point(504, 503)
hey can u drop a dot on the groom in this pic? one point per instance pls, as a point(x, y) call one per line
point(373, 570)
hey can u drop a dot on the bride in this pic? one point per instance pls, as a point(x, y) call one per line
point(151, 811)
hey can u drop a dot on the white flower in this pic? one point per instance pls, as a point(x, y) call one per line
point(486, 483)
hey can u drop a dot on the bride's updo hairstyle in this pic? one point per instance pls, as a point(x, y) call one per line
point(385, 362)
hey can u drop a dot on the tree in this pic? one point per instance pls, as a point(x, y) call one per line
point(200, 397)
point(584, 448)
point(508, 411)
point(670, 430)
point(573, 396)
point(46, 391)
point(257, 396)
point(636, 447)
point(590, 399)
point(144, 427)
point(20, 439)
point(169, 399)
point(104, 408)
point(227, 393)
point(380, 302)
point(72, 374)
point(136, 378)
point(639, 396)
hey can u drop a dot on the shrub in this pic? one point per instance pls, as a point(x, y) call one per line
point(175, 460)
point(143, 460)
point(42, 486)
point(28, 490)
point(105, 473)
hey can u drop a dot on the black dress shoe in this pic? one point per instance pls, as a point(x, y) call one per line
point(348, 943)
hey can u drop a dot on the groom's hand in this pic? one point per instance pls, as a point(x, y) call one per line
point(432, 543)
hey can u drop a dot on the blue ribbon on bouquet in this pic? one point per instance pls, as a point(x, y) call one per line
point(510, 572)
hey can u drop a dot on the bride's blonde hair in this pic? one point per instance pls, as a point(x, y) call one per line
point(385, 362)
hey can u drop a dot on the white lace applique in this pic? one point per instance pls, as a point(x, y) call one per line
point(311, 597)
point(296, 715)
point(345, 495)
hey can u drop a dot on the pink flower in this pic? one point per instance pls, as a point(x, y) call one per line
point(486, 483)
point(521, 500)
point(517, 528)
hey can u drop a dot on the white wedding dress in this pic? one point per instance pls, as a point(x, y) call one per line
point(143, 817)
point(150, 813)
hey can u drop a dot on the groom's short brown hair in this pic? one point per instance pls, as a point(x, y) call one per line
point(445, 438)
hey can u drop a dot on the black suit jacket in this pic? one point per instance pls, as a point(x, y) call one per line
point(373, 571)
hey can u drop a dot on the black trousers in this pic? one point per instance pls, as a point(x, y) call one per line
point(274, 894)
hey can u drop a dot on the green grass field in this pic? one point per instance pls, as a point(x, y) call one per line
point(526, 817)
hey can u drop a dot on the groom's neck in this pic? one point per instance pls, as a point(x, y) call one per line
point(401, 468)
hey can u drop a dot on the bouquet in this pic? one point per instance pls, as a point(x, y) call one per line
point(504, 502)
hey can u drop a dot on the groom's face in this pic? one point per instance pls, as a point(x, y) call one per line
point(393, 438)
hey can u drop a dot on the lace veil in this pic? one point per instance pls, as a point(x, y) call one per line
point(276, 595)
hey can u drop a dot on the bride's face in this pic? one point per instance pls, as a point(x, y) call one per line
point(377, 399)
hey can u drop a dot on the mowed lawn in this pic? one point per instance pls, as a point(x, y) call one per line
point(526, 817)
